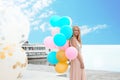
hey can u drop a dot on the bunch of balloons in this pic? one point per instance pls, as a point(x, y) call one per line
point(59, 41)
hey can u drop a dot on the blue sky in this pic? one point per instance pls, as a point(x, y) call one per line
point(99, 20)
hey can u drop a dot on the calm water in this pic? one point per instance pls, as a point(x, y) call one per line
point(102, 57)
point(96, 57)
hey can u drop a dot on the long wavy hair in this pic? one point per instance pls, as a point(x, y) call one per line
point(79, 35)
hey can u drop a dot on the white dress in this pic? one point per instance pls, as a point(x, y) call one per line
point(76, 73)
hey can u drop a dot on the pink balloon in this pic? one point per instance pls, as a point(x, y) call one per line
point(65, 46)
point(55, 31)
point(71, 53)
point(48, 42)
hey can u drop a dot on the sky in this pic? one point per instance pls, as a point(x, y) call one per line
point(98, 19)
point(103, 15)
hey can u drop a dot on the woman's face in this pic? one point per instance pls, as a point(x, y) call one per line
point(76, 31)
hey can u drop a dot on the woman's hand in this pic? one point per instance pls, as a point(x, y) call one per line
point(82, 65)
point(69, 62)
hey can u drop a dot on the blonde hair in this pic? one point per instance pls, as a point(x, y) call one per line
point(79, 36)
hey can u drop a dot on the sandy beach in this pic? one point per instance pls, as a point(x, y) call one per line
point(44, 72)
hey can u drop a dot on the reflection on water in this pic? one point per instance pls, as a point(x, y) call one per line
point(38, 61)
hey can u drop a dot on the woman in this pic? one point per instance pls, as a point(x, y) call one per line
point(77, 71)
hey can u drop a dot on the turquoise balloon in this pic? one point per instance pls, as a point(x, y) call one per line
point(65, 20)
point(54, 20)
point(59, 39)
point(67, 31)
point(51, 58)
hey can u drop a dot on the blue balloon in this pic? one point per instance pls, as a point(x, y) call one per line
point(54, 20)
point(67, 31)
point(52, 57)
point(65, 20)
point(59, 39)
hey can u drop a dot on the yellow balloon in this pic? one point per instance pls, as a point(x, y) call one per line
point(61, 67)
point(61, 56)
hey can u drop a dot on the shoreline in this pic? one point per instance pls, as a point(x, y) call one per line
point(51, 68)
point(42, 71)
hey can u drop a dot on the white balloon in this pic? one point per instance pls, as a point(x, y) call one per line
point(13, 62)
point(14, 29)
point(14, 25)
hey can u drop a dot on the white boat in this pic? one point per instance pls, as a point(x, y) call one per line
point(35, 51)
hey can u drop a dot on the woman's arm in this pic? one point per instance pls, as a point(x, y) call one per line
point(74, 44)
point(81, 60)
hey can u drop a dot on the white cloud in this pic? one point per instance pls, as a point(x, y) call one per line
point(37, 11)
point(5, 3)
point(22, 0)
point(50, 28)
point(85, 29)
point(35, 28)
point(40, 4)
point(35, 6)
point(47, 14)
point(99, 27)
point(35, 22)
point(42, 26)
